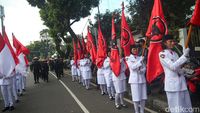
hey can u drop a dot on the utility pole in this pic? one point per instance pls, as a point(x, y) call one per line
point(2, 15)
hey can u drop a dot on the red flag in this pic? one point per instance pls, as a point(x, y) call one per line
point(10, 47)
point(156, 30)
point(126, 35)
point(19, 47)
point(83, 45)
point(91, 47)
point(101, 53)
point(114, 55)
point(7, 62)
point(195, 20)
point(79, 50)
point(75, 51)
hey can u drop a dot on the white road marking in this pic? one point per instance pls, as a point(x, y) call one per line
point(129, 101)
point(73, 95)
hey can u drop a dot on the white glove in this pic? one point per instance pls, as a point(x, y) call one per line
point(186, 52)
point(142, 58)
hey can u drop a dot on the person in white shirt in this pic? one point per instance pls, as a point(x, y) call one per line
point(108, 77)
point(86, 70)
point(120, 85)
point(137, 79)
point(174, 84)
point(73, 69)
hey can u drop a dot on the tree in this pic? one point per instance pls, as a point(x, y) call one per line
point(59, 15)
point(176, 13)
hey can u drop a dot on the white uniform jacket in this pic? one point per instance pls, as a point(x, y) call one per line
point(73, 67)
point(171, 64)
point(137, 69)
point(122, 75)
point(106, 65)
point(85, 64)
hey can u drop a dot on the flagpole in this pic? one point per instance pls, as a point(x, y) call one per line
point(188, 36)
point(144, 46)
point(2, 15)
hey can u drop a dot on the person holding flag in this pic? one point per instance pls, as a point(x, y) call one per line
point(175, 84)
point(73, 69)
point(137, 79)
point(7, 66)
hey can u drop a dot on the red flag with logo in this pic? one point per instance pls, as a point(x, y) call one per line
point(83, 45)
point(7, 62)
point(19, 46)
point(195, 20)
point(126, 35)
point(156, 30)
point(114, 55)
point(79, 51)
point(5, 37)
point(101, 53)
point(91, 47)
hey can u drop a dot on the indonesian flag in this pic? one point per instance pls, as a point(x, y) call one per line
point(79, 50)
point(91, 47)
point(126, 36)
point(26, 60)
point(7, 62)
point(75, 52)
point(114, 55)
point(5, 37)
point(101, 53)
point(19, 46)
point(156, 30)
point(195, 20)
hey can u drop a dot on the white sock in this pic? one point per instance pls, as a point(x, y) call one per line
point(136, 106)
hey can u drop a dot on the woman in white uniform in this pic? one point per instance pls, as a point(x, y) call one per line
point(73, 69)
point(120, 85)
point(137, 80)
point(86, 70)
point(175, 84)
point(101, 80)
point(108, 77)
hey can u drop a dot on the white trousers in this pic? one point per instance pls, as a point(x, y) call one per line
point(7, 95)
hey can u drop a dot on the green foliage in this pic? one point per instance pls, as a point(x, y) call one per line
point(59, 15)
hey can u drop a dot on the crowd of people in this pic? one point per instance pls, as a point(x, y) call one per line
point(12, 87)
point(115, 86)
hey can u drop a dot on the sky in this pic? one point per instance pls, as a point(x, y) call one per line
point(25, 22)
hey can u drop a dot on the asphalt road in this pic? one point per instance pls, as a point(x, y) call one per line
point(64, 96)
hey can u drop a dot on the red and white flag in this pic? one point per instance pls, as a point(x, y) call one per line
point(19, 46)
point(7, 62)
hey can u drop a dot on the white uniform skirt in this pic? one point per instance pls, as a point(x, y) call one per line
point(86, 75)
point(178, 101)
point(108, 77)
point(78, 72)
point(120, 85)
point(74, 71)
point(100, 77)
point(138, 91)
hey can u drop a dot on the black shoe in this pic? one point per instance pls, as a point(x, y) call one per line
point(11, 108)
point(16, 101)
point(5, 109)
point(24, 90)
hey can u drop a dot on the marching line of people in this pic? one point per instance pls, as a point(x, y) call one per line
point(115, 86)
point(12, 87)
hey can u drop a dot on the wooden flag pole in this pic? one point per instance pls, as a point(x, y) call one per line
point(188, 36)
point(144, 46)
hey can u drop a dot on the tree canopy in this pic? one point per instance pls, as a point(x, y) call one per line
point(59, 15)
